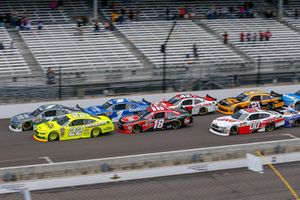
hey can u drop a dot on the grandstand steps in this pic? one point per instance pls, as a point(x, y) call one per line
point(25, 52)
point(220, 38)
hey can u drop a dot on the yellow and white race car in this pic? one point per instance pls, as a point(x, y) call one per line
point(73, 126)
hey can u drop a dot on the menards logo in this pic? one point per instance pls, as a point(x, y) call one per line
point(97, 124)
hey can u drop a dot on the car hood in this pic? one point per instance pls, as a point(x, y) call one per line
point(226, 121)
point(94, 110)
point(292, 96)
point(229, 101)
point(130, 118)
point(47, 126)
point(22, 117)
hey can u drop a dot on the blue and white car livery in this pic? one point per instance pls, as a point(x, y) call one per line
point(292, 99)
point(117, 108)
point(291, 115)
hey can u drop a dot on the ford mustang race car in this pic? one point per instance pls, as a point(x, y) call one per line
point(246, 121)
point(250, 99)
point(26, 121)
point(73, 126)
point(154, 118)
point(292, 99)
point(194, 104)
point(116, 108)
point(291, 115)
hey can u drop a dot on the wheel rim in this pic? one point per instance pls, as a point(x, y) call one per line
point(296, 123)
point(95, 132)
point(176, 125)
point(270, 127)
point(203, 111)
point(233, 131)
point(27, 126)
point(136, 129)
point(53, 136)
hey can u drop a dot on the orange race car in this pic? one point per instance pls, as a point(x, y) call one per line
point(250, 99)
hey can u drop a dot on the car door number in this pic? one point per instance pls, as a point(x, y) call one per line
point(255, 104)
point(254, 125)
point(75, 131)
point(159, 123)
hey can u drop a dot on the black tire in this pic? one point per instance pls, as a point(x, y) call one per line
point(53, 136)
point(270, 127)
point(234, 130)
point(96, 132)
point(27, 126)
point(297, 104)
point(203, 111)
point(296, 123)
point(136, 129)
point(176, 124)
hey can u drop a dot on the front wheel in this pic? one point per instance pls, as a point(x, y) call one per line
point(136, 129)
point(27, 126)
point(270, 127)
point(234, 130)
point(176, 124)
point(296, 123)
point(96, 132)
point(203, 111)
point(53, 136)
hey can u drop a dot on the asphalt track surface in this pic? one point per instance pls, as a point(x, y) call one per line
point(18, 149)
point(238, 184)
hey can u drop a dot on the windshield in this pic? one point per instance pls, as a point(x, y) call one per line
point(239, 116)
point(36, 112)
point(63, 120)
point(242, 97)
point(144, 114)
point(106, 106)
point(174, 100)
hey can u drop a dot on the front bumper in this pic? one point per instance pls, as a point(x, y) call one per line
point(224, 110)
point(39, 139)
point(218, 133)
point(14, 129)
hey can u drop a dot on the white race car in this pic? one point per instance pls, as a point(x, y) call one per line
point(247, 121)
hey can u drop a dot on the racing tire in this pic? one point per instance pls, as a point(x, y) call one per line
point(203, 111)
point(176, 124)
point(136, 129)
point(270, 127)
point(53, 136)
point(296, 123)
point(297, 104)
point(27, 126)
point(271, 106)
point(234, 130)
point(96, 132)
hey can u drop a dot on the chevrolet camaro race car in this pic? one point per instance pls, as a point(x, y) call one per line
point(291, 115)
point(247, 121)
point(26, 121)
point(250, 99)
point(194, 104)
point(73, 126)
point(292, 99)
point(154, 118)
point(117, 108)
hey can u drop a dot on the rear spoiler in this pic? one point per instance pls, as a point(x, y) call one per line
point(145, 101)
point(210, 98)
point(79, 107)
point(275, 94)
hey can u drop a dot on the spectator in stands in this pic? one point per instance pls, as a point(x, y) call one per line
point(137, 13)
point(2, 46)
point(224, 12)
point(130, 14)
point(28, 25)
point(106, 25)
point(242, 35)
point(96, 26)
point(193, 14)
point(79, 21)
point(123, 11)
point(248, 36)
point(261, 36)
point(12, 44)
point(50, 76)
point(254, 36)
point(242, 12)
point(1, 20)
point(268, 35)
point(296, 14)
point(114, 16)
point(112, 5)
point(195, 51)
point(231, 12)
point(167, 13)
point(53, 4)
point(181, 12)
point(104, 3)
point(60, 4)
point(40, 24)
point(225, 36)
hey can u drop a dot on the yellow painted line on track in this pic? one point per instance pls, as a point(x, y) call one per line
point(281, 177)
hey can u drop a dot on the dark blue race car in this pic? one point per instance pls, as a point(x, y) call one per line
point(291, 115)
point(292, 99)
point(117, 108)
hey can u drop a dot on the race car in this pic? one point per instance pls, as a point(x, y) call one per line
point(292, 99)
point(247, 121)
point(194, 104)
point(154, 118)
point(291, 115)
point(26, 121)
point(250, 99)
point(73, 126)
point(116, 108)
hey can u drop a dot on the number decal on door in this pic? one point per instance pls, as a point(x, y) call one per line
point(254, 125)
point(75, 131)
point(159, 123)
point(254, 104)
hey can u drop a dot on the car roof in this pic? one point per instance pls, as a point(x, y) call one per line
point(254, 110)
point(50, 106)
point(78, 115)
point(187, 95)
point(254, 92)
point(120, 100)
point(157, 108)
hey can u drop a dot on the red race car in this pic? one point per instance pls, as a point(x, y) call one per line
point(194, 104)
point(154, 118)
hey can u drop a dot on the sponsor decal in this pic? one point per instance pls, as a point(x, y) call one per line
point(187, 120)
point(97, 124)
point(199, 168)
point(135, 109)
point(227, 120)
point(130, 118)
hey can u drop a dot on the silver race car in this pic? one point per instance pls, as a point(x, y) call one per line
point(26, 121)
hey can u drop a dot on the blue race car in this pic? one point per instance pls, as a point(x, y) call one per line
point(291, 115)
point(292, 99)
point(117, 108)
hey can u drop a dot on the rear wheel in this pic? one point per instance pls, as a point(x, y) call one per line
point(271, 106)
point(234, 130)
point(203, 111)
point(296, 123)
point(270, 127)
point(136, 129)
point(176, 124)
point(53, 136)
point(96, 132)
point(27, 126)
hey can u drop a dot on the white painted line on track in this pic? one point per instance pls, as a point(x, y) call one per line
point(47, 159)
point(290, 135)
